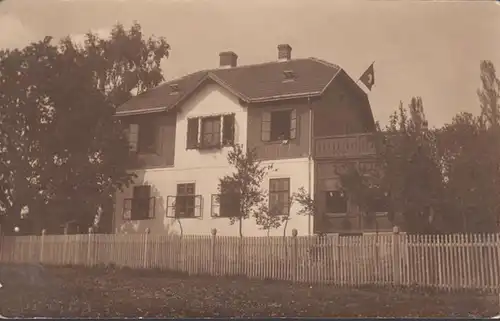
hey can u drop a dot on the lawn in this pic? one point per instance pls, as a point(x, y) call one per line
point(80, 292)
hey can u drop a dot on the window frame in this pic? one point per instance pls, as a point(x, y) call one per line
point(267, 131)
point(285, 205)
point(183, 194)
point(130, 212)
point(214, 143)
point(196, 131)
point(336, 214)
point(217, 203)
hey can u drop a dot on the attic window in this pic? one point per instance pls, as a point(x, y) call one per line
point(174, 88)
point(289, 75)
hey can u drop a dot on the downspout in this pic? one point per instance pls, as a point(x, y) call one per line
point(310, 162)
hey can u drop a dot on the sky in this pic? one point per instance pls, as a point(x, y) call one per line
point(422, 48)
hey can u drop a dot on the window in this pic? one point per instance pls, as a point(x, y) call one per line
point(141, 206)
point(143, 137)
point(279, 196)
point(210, 132)
point(227, 203)
point(185, 201)
point(279, 125)
point(335, 202)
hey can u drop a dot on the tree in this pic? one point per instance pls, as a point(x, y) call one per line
point(488, 94)
point(471, 182)
point(62, 152)
point(409, 172)
point(245, 183)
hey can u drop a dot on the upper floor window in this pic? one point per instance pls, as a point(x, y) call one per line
point(279, 196)
point(210, 132)
point(279, 125)
point(141, 206)
point(143, 137)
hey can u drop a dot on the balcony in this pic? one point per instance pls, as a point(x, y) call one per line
point(345, 146)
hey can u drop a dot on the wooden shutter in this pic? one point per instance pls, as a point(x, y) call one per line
point(192, 133)
point(228, 130)
point(266, 126)
point(133, 136)
point(293, 124)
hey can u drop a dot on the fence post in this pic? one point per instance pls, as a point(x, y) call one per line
point(212, 254)
point(396, 256)
point(145, 263)
point(65, 244)
point(89, 247)
point(42, 242)
point(295, 255)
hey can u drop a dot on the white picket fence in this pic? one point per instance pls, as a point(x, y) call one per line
point(447, 261)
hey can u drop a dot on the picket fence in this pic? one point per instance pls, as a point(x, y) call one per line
point(449, 262)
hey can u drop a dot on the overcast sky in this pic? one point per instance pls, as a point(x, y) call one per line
point(420, 48)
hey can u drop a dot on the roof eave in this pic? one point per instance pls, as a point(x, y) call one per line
point(140, 111)
point(285, 97)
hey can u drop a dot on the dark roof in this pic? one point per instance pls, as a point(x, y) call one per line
point(251, 83)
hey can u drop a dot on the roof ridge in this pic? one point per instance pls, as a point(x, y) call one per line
point(324, 62)
point(211, 70)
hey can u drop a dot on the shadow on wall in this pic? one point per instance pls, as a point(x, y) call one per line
point(156, 221)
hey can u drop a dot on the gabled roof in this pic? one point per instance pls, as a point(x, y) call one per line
point(251, 83)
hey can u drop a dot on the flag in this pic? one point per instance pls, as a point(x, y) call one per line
point(368, 77)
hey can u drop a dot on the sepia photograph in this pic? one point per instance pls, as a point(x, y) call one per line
point(236, 159)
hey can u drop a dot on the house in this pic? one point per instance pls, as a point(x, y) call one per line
point(305, 116)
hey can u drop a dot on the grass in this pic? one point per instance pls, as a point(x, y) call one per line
point(101, 292)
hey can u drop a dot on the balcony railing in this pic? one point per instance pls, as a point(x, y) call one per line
point(346, 146)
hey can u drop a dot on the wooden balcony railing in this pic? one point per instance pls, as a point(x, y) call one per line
point(346, 146)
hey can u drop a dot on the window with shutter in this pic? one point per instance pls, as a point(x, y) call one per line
point(211, 132)
point(279, 125)
point(228, 130)
point(185, 201)
point(192, 133)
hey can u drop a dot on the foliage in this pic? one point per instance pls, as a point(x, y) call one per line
point(246, 182)
point(306, 202)
point(489, 94)
point(471, 182)
point(62, 152)
point(408, 171)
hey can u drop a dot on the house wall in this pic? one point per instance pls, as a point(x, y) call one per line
point(204, 168)
point(209, 101)
point(163, 182)
point(295, 148)
point(164, 156)
point(343, 109)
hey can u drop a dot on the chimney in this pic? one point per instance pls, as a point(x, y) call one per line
point(228, 59)
point(284, 52)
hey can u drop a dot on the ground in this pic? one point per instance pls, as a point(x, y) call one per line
point(80, 292)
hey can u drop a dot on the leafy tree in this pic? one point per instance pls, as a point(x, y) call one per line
point(470, 163)
point(245, 183)
point(489, 94)
point(62, 152)
point(409, 170)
